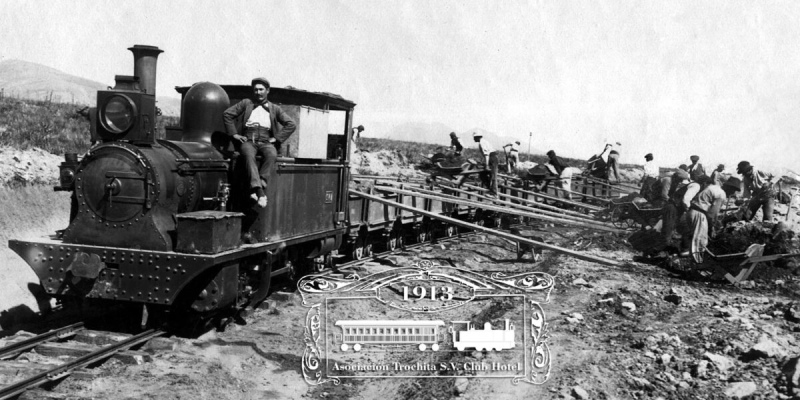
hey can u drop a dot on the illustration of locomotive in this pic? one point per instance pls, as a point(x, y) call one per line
point(485, 339)
point(165, 224)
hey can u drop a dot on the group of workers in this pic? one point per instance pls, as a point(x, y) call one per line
point(691, 200)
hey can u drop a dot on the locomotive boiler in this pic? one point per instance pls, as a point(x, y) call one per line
point(165, 223)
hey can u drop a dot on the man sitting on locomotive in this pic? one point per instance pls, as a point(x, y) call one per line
point(259, 120)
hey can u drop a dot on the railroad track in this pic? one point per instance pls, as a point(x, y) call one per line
point(82, 356)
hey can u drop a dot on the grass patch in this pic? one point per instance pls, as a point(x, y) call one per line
point(50, 126)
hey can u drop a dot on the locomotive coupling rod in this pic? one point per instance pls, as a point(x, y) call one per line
point(519, 239)
point(65, 369)
point(16, 348)
point(490, 207)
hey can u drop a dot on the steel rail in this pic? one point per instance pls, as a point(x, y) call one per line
point(65, 369)
point(490, 207)
point(27, 344)
point(475, 227)
point(545, 209)
point(544, 196)
point(617, 185)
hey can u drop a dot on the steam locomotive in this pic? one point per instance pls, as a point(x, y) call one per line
point(160, 222)
point(165, 223)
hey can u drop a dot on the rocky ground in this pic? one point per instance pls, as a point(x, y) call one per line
point(635, 331)
point(28, 167)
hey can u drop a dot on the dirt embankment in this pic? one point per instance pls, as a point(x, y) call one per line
point(28, 167)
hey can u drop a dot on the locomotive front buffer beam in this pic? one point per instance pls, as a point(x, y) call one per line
point(142, 276)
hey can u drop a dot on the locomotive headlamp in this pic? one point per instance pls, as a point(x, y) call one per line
point(67, 178)
point(118, 113)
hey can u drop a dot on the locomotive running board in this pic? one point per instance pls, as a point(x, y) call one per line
point(475, 227)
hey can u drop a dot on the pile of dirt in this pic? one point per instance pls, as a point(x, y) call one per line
point(738, 236)
point(383, 163)
point(28, 167)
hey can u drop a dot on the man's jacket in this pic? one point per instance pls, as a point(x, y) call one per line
point(282, 125)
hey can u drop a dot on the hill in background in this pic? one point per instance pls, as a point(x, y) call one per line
point(27, 80)
point(439, 133)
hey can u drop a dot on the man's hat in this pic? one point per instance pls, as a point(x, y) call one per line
point(694, 158)
point(360, 128)
point(648, 156)
point(683, 167)
point(721, 166)
point(262, 81)
point(743, 167)
point(453, 134)
point(551, 153)
point(477, 134)
point(517, 142)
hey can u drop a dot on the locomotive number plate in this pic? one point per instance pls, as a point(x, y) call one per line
point(328, 196)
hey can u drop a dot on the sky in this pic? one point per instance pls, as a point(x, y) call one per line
point(719, 79)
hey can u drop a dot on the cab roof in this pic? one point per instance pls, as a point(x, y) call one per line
point(287, 95)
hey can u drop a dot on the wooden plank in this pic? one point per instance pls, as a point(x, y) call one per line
point(100, 338)
point(519, 239)
point(66, 349)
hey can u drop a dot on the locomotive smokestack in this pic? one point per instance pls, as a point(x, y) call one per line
point(144, 66)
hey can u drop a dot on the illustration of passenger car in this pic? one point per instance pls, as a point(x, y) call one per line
point(488, 338)
point(357, 333)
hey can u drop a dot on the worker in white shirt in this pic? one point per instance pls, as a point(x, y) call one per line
point(489, 177)
point(513, 156)
point(650, 175)
point(700, 218)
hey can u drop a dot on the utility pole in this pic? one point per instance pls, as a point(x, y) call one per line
point(530, 137)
